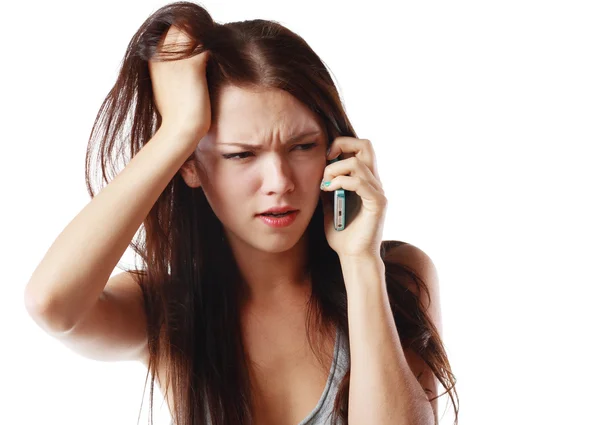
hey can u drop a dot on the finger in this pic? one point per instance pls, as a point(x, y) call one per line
point(352, 146)
point(170, 42)
point(352, 166)
point(369, 194)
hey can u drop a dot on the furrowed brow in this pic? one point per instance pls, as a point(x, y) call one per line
point(292, 139)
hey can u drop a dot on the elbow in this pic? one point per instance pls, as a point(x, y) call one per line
point(45, 314)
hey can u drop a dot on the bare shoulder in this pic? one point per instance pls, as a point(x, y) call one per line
point(419, 263)
point(415, 259)
point(114, 329)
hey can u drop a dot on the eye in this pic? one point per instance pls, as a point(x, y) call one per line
point(234, 155)
point(307, 145)
point(239, 155)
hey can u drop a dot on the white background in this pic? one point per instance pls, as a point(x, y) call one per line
point(485, 121)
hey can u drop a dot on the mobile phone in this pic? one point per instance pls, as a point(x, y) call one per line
point(339, 205)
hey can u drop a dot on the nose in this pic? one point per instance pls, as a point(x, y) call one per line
point(277, 176)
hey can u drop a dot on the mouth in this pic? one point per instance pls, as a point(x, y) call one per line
point(277, 215)
point(279, 220)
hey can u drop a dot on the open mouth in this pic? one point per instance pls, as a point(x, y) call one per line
point(278, 220)
point(278, 215)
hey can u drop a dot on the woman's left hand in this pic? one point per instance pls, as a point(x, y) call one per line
point(356, 171)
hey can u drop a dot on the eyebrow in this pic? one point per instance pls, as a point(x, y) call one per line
point(292, 139)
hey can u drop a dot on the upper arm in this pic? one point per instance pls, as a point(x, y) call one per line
point(414, 258)
point(114, 329)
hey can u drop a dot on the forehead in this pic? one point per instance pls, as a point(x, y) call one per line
point(247, 115)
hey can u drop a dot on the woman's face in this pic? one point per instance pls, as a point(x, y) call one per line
point(241, 182)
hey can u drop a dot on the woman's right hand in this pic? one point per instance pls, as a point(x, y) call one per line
point(180, 88)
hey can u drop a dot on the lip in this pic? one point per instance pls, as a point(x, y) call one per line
point(279, 222)
point(278, 210)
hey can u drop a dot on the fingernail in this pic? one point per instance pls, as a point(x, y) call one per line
point(328, 150)
point(325, 184)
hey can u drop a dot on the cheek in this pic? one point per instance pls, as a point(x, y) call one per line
point(224, 192)
point(313, 172)
point(218, 177)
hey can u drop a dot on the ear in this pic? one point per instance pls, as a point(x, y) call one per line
point(190, 174)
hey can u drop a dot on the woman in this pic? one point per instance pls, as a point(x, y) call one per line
point(249, 305)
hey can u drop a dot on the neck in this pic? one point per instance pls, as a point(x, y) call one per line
point(273, 278)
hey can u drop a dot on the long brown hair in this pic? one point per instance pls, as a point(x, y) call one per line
point(189, 279)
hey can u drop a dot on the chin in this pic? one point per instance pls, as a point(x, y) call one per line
point(276, 247)
point(275, 241)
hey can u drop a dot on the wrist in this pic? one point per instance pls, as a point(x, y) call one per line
point(186, 133)
point(358, 261)
point(362, 272)
point(185, 137)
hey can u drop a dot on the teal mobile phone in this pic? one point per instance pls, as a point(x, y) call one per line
point(339, 205)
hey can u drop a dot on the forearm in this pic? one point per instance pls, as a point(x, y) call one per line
point(383, 389)
point(74, 271)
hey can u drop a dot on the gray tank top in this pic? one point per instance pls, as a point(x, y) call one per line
point(321, 414)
